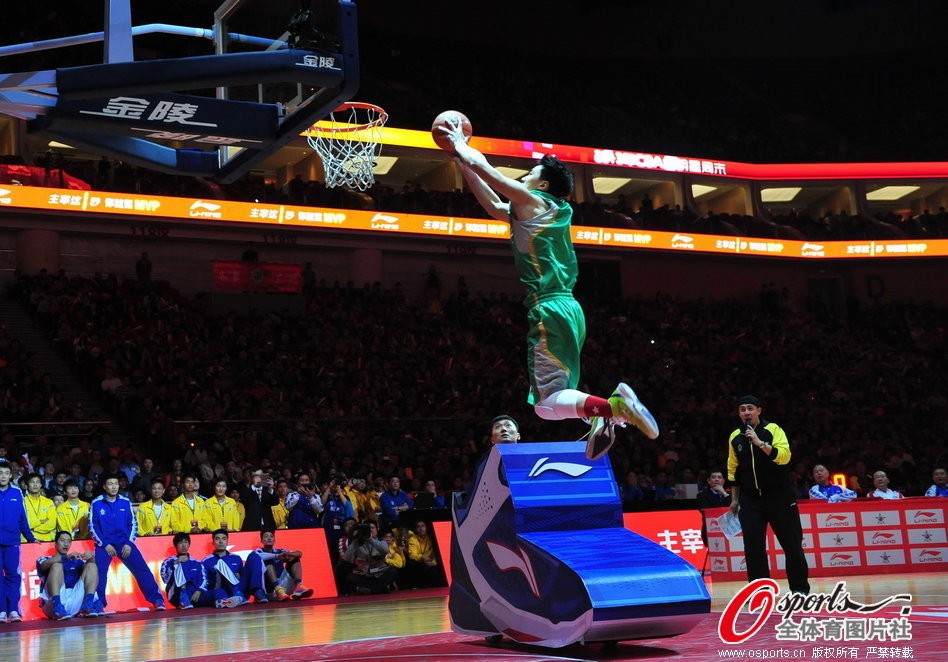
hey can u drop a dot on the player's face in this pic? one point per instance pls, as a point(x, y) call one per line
point(395, 484)
point(63, 543)
point(268, 539)
point(183, 547)
point(34, 485)
point(939, 476)
point(220, 489)
point(220, 542)
point(72, 492)
point(421, 529)
point(190, 485)
point(157, 491)
point(715, 479)
point(821, 474)
point(5, 475)
point(111, 487)
point(532, 179)
point(749, 414)
point(504, 431)
point(880, 480)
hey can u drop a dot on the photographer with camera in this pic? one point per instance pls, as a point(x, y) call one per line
point(371, 573)
point(258, 500)
point(304, 505)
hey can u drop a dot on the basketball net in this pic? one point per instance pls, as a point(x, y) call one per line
point(347, 141)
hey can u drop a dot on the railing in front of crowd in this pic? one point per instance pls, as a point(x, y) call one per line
point(57, 432)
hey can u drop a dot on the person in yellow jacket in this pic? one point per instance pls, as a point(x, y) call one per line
point(73, 514)
point(40, 510)
point(396, 551)
point(155, 515)
point(241, 510)
point(422, 562)
point(223, 511)
point(189, 512)
point(280, 514)
point(354, 492)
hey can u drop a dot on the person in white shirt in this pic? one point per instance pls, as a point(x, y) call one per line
point(882, 491)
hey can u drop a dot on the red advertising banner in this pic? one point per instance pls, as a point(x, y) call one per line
point(863, 537)
point(123, 593)
point(257, 277)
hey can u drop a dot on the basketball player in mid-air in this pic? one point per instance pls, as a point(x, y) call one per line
point(539, 218)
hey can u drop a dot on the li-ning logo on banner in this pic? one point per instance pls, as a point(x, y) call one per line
point(682, 241)
point(926, 517)
point(201, 209)
point(384, 222)
point(813, 250)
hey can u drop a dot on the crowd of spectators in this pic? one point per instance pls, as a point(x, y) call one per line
point(367, 383)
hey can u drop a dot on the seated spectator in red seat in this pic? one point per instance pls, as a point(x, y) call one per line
point(882, 491)
point(940, 486)
point(826, 490)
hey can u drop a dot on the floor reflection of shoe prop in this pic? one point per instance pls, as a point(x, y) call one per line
point(540, 555)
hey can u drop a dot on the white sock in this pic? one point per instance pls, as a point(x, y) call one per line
point(560, 405)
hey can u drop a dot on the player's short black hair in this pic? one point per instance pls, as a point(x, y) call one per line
point(59, 533)
point(224, 531)
point(504, 417)
point(190, 474)
point(33, 475)
point(72, 482)
point(6, 465)
point(178, 537)
point(262, 531)
point(157, 480)
point(557, 175)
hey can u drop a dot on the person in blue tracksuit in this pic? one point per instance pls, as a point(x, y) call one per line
point(230, 581)
point(824, 489)
point(12, 524)
point(184, 577)
point(114, 527)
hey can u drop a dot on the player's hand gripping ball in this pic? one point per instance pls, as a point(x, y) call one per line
point(447, 123)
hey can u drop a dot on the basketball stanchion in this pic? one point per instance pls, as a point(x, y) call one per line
point(348, 142)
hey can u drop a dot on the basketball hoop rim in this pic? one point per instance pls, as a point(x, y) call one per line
point(357, 105)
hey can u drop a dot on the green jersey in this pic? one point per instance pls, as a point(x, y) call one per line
point(543, 251)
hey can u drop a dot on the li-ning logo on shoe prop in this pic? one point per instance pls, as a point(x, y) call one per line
point(813, 250)
point(568, 468)
point(509, 559)
point(201, 209)
point(682, 241)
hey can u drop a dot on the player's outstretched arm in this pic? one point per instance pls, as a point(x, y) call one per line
point(490, 201)
point(515, 191)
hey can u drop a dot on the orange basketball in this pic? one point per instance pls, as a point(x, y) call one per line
point(450, 118)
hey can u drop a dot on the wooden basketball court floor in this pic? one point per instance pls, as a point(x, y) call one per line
point(302, 630)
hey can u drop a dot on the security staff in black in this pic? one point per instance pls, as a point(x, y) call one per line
point(762, 494)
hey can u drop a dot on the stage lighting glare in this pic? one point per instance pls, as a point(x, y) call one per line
point(784, 194)
point(891, 192)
